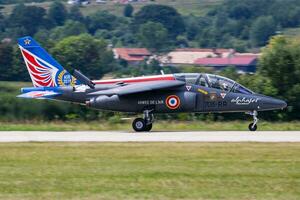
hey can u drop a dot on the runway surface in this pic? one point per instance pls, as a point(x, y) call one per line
point(118, 136)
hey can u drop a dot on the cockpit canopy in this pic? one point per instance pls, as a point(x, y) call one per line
point(213, 81)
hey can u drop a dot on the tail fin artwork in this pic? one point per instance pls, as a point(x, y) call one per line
point(43, 69)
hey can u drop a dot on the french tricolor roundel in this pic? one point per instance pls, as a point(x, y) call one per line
point(173, 102)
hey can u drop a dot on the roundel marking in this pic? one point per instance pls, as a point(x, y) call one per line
point(173, 102)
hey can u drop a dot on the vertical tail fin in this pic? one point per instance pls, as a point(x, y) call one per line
point(44, 70)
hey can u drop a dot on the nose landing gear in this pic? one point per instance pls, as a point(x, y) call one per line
point(253, 126)
point(143, 124)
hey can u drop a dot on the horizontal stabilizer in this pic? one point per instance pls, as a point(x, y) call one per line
point(39, 95)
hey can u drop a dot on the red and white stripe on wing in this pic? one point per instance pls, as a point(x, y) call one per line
point(136, 79)
point(42, 73)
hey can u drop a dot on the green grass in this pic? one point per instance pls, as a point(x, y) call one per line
point(158, 126)
point(195, 7)
point(13, 87)
point(7, 9)
point(227, 171)
point(294, 32)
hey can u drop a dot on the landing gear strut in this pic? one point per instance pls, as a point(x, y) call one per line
point(143, 124)
point(253, 126)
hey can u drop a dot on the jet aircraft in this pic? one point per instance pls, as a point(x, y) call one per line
point(172, 93)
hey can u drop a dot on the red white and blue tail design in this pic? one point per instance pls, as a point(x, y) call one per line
point(43, 69)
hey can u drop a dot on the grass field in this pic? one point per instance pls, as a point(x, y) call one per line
point(233, 171)
point(294, 32)
point(196, 7)
point(158, 126)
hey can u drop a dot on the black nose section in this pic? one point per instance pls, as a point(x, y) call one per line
point(273, 104)
point(279, 104)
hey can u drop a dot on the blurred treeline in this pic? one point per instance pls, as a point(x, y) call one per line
point(85, 42)
point(81, 41)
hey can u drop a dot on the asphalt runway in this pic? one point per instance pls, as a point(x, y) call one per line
point(119, 136)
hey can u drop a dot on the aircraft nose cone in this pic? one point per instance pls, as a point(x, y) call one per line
point(279, 104)
point(283, 104)
point(270, 103)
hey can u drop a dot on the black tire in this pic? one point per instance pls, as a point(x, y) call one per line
point(139, 124)
point(252, 128)
point(148, 127)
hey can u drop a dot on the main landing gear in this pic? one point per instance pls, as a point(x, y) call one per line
point(253, 126)
point(143, 124)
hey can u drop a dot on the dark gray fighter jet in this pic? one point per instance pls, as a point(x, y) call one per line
point(174, 93)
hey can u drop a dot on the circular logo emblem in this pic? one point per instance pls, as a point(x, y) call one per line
point(173, 102)
point(65, 79)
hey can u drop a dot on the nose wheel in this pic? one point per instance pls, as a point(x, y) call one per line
point(253, 126)
point(143, 124)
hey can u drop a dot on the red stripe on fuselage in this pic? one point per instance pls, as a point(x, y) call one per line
point(136, 80)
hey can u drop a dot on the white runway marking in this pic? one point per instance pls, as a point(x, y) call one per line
point(117, 136)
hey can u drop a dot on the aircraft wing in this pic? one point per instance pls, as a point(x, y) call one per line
point(39, 94)
point(138, 88)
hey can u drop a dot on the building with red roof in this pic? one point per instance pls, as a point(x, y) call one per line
point(216, 58)
point(133, 56)
point(187, 56)
point(246, 63)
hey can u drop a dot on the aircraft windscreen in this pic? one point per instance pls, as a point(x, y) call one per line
point(213, 81)
point(241, 89)
point(220, 82)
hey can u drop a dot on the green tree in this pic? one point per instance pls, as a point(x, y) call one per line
point(6, 58)
point(102, 33)
point(153, 36)
point(166, 15)
point(75, 14)
point(43, 37)
point(230, 72)
point(2, 22)
point(57, 13)
point(240, 11)
point(280, 62)
point(68, 29)
point(12, 67)
point(192, 26)
point(182, 41)
point(101, 20)
point(128, 10)
point(258, 83)
point(85, 53)
point(262, 29)
point(26, 19)
point(287, 14)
